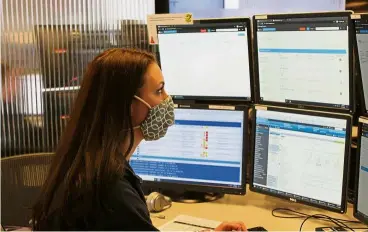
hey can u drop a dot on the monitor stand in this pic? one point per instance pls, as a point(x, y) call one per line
point(193, 197)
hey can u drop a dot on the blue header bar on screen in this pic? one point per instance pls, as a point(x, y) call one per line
point(315, 51)
point(207, 123)
point(302, 128)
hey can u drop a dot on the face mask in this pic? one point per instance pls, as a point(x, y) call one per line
point(158, 120)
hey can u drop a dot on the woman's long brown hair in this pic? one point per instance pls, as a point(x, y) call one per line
point(88, 157)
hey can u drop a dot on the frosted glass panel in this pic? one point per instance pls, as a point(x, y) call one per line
point(45, 48)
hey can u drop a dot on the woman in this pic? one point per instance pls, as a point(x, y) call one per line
point(91, 185)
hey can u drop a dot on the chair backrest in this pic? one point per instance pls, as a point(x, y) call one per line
point(20, 135)
point(22, 177)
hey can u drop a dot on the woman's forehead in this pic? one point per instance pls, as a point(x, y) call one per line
point(154, 76)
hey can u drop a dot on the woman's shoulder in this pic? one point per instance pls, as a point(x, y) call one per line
point(127, 188)
point(127, 207)
point(123, 190)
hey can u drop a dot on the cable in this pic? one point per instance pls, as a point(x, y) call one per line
point(295, 214)
point(305, 215)
point(286, 210)
point(313, 216)
point(326, 218)
point(335, 221)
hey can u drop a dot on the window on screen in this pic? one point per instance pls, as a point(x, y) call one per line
point(202, 147)
point(304, 61)
point(362, 41)
point(362, 205)
point(210, 60)
point(300, 156)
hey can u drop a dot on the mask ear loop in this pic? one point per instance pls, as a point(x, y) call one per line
point(144, 102)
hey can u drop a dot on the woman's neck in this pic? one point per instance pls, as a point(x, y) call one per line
point(138, 137)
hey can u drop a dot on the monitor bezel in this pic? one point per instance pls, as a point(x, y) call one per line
point(348, 119)
point(247, 22)
point(364, 106)
point(162, 6)
point(311, 106)
point(184, 187)
point(356, 213)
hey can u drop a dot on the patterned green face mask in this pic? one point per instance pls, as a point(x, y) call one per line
point(158, 120)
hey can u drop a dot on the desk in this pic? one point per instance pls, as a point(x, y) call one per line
point(253, 209)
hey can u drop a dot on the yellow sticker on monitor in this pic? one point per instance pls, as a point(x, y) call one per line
point(188, 18)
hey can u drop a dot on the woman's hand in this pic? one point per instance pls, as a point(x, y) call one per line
point(231, 226)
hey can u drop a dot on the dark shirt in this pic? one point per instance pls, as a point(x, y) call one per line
point(127, 209)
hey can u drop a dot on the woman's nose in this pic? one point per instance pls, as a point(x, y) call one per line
point(165, 95)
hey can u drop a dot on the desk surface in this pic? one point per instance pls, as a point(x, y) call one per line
point(253, 209)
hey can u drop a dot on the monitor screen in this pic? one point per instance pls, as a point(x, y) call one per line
point(361, 207)
point(248, 8)
point(304, 61)
point(301, 157)
point(203, 148)
point(361, 27)
point(206, 60)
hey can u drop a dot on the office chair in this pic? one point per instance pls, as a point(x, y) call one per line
point(21, 179)
point(18, 135)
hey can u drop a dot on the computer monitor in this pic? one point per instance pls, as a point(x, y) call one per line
point(247, 8)
point(304, 60)
point(361, 189)
point(204, 151)
point(211, 60)
point(361, 30)
point(301, 156)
